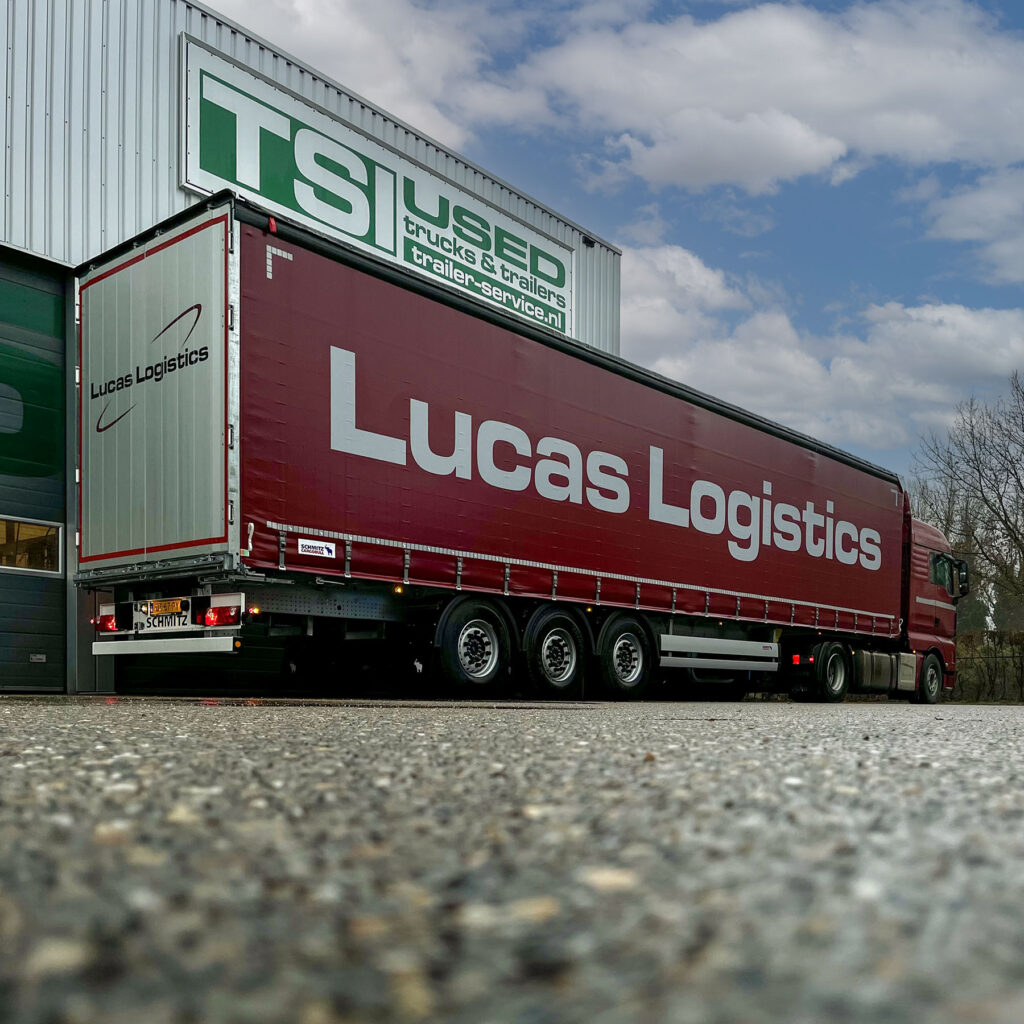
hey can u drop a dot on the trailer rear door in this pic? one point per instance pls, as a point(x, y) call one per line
point(153, 407)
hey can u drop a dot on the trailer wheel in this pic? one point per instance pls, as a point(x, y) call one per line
point(554, 652)
point(624, 659)
point(833, 672)
point(474, 645)
point(930, 685)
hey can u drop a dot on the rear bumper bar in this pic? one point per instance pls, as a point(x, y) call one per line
point(169, 645)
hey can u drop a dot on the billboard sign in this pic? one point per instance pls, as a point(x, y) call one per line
point(269, 145)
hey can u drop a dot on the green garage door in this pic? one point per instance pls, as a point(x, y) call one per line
point(32, 484)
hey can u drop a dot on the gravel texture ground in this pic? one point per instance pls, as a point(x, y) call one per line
point(172, 861)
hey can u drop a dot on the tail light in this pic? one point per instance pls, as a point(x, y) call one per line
point(222, 615)
point(106, 621)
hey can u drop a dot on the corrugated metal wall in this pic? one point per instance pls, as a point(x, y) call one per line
point(91, 126)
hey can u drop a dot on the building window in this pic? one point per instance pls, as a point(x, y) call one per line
point(27, 545)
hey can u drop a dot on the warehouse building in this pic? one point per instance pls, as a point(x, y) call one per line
point(120, 113)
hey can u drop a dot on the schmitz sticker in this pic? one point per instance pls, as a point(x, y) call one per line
point(320, 548)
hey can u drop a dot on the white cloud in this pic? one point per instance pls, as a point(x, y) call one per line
point(990, 213)
point(703, 147)
point(648, 227)
point(670, 299)
point(946, 344)
point(760, 95)
point(735, 218)
point(777, 91)
point(897, 375)
point(922, 191)
point(598, 13)
point(426, 65)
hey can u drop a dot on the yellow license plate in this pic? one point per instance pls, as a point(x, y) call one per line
point(165, 607)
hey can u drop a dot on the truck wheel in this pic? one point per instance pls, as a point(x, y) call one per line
point(833, 671)
point(624, 659)
point(554, 652)
point(474, 645)
point(930, 685)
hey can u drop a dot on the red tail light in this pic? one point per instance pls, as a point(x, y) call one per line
point(221, 615)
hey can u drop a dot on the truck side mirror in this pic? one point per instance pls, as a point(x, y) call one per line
point(963, 579)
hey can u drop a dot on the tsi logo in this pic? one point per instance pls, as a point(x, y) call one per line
point(320, 548)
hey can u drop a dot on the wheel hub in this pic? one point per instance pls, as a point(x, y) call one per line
point(627, 659)
point(478, 648)
point(558, 656)
point(835, 673)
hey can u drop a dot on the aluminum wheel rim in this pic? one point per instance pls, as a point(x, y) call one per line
point(931, 681)
point(558, 657)
point(478, 648)
point(835, 673)
point(627, 659)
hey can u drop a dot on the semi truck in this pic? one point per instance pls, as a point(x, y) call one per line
point(289, 447)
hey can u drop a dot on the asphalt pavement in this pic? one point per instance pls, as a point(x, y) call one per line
point(174, 861)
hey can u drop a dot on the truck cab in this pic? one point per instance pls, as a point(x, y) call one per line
point(936, 581)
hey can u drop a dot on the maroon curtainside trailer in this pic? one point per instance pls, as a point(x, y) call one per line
point(288, 444)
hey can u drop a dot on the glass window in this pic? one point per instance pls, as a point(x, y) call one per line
point(29, 545)
point(941, 572)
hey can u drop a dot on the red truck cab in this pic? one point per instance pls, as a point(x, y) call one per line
point(935, 582)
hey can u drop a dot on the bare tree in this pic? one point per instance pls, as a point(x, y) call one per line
point(936, 499)
point(972, 484)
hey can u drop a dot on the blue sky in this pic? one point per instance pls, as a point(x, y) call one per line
point(820, 205)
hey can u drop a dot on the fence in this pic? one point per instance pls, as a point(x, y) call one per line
point(990, 666)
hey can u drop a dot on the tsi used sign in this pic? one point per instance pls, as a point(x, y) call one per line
point(245, 134)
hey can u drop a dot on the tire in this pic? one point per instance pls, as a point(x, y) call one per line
point(555, 653)
point(832, 673)
point(474, 648)
point(929, 686)
point(624, 659)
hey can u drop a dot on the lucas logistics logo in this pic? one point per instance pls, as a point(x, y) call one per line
point(152, 372)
